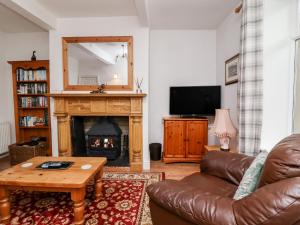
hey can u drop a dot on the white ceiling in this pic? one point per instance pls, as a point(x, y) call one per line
point(162, 14)
point(12, 22)
point(90, 8)
point(159, 14)
point(189, 14)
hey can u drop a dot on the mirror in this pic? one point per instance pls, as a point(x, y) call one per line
point(91, 61)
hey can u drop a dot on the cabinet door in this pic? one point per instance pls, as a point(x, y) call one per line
point(196, 136)
point(174, 145)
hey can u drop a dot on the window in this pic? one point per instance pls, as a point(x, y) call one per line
point(296, 107)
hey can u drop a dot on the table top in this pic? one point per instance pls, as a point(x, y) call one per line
point(72, 177)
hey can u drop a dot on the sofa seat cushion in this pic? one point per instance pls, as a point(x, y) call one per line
point(207, 183)
point(194, 197)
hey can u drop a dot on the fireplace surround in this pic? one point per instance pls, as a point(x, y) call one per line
point(67, 105)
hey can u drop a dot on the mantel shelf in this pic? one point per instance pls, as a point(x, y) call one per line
point(116, 95)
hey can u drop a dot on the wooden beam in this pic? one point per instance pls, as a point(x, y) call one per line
point(99, 53)
point(142, 11)
point(33, 11)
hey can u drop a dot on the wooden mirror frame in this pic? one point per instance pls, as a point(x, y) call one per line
point(67, 40)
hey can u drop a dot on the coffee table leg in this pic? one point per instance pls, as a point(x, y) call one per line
point(98, 184)
point(4, 206)
point(77, 197)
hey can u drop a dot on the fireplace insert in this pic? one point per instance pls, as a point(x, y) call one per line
point(104, 139)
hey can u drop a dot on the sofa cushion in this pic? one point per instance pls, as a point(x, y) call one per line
point(251, 177)
point(283, 161)
point(194, 197)
point(226, 165)
point(207, 183)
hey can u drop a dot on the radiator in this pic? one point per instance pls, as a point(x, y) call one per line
point(4, 137)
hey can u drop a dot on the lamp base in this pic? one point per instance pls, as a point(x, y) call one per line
point(224, 141)
point(225, 149)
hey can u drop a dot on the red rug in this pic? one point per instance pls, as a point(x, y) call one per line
point(124, 202)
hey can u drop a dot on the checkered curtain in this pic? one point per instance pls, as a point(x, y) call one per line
point(251, 77)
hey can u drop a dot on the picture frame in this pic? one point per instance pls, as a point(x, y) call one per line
point(232, 69)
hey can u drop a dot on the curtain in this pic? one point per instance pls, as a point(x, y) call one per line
point(250, 94)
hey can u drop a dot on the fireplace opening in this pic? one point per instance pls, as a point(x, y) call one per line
point(101, 137)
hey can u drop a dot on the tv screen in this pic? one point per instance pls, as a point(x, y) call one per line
point(195, 100)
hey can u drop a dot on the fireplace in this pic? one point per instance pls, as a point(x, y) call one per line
point(129, 105)
point(104, 139)
point(101, 136)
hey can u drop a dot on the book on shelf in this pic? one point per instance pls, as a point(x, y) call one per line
point(31, 75)
point(31, 102)
point(31, 121)
point(37, 88)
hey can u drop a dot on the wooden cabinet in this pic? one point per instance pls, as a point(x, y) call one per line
point(184, 139)
point(31, 103)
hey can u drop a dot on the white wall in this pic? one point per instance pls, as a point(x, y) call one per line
point(177, 58)
point(113, 26)
point(17, 46)
point(279, 28)
point(228, 45)
point(4, 111)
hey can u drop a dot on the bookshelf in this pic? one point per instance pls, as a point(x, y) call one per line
point(31, 104)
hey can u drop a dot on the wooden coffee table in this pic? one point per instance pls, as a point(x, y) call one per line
point(73, 180)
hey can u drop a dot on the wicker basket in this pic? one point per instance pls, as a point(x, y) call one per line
point(20, 154)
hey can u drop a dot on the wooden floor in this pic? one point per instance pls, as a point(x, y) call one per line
point(174, 171)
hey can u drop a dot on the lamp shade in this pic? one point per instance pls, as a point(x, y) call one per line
point(223, 126)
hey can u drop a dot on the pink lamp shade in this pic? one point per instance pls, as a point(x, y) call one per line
point(223, 126)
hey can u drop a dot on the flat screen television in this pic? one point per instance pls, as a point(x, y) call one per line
point(195, 100)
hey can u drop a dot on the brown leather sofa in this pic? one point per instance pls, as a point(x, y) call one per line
point(206, 198)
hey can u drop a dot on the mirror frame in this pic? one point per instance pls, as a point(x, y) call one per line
point(67, 40)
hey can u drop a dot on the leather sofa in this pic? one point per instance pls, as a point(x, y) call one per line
point(206, 198)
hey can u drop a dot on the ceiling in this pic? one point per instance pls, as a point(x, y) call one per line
point(90, 8)
point(12, 22)
point(159, 14)
point(189, 14)
point(162, 14)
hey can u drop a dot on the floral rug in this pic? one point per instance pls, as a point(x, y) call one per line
point(124, 202)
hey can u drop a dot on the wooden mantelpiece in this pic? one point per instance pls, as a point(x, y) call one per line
point(67, 105)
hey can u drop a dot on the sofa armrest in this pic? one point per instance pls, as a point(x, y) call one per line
point(273, 204)
point(192, 204)
point(226, 165)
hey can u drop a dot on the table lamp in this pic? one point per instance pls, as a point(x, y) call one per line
point(223, 128)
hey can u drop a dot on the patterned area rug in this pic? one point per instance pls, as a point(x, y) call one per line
point(124, 202)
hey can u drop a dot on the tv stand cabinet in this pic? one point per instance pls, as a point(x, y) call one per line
point(184, 139)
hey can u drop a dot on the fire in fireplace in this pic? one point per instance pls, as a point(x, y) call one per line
point(104, 139)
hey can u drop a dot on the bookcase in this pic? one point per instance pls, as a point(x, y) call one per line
point(31, 104)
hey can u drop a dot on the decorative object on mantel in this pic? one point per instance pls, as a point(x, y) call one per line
point(33, 57)
point(100, 90)
point(232, 69)
point(138, 85)
point(223, 128)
